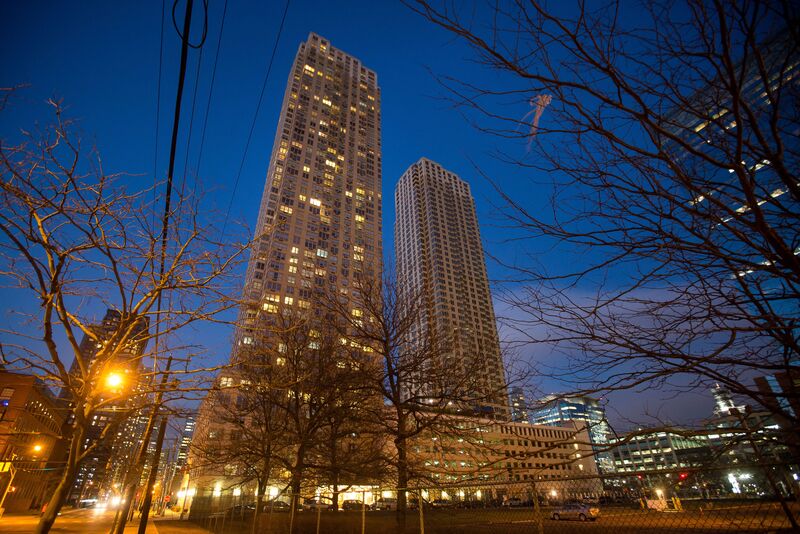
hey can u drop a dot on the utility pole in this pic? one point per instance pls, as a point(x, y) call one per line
point(159, 396)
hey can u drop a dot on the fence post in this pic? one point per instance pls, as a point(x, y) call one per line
point(294, 500)
point(363, 511)
point(536, 509)
point(421, 513)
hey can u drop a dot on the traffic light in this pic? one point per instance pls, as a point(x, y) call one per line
point(683, 476)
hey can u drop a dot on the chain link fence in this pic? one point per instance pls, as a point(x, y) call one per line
point(751, 499)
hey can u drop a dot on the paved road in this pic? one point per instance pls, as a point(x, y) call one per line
point(755, 518)
point(741, 519)
point(85, 521)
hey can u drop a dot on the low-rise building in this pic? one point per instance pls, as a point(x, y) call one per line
point(30, 426)
point(499, 458)
point(658, 451)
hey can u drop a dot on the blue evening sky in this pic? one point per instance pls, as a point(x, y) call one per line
point(102, 59)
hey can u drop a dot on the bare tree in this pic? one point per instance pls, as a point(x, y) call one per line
point(249, 431)
point(350, 449)
point(668, 138)
point(309, 360)
point(417, 393)
point(72, 233)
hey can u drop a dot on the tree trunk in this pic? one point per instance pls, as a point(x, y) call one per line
point(262, 485)
point(67, 480)
point(335, 490)
point(402, 483)
point(297, 478)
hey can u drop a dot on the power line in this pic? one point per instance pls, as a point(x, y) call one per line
point(191, 123)
point(255, 117)
point(142, 454)
point(158, 109)
point(211, 90)
point(148, 495)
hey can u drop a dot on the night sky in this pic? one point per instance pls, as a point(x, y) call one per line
point(102, 59)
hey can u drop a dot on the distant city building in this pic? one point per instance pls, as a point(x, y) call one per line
point(658, 451)
point(781, 391)
point(519, 406)
point(723, 401)
point(30, 426)
point(587, 411)
point(440, 258)
point(182, 449)
point(184, 442)
point(112, 456)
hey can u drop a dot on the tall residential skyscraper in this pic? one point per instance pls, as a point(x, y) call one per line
point(319, 225)
point(440, 258)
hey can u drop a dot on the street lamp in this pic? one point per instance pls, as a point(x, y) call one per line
point(114, 380)
point(37, 448)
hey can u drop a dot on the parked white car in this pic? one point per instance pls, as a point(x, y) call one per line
point(385, 503)
point(581, 512)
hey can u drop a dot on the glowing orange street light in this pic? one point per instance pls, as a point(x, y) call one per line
point(114, 380)
point(37, 448)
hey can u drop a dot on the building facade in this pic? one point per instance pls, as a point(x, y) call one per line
point(30, 426)
point(440, 259)
point(319, 224)
point(487, 451)
point(319, 227)
point(659, 451)
point(585, 411)
point(519, 406)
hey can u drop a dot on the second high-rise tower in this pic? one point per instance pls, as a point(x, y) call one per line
point(440, 259)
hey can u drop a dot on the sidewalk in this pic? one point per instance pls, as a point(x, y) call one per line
point(171, 523)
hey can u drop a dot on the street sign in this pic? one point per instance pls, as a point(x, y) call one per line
point(5, 466)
